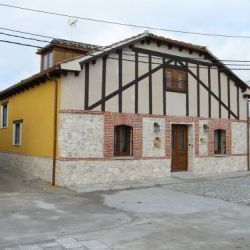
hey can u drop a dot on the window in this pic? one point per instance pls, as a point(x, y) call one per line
point(47, 60)
point(175, 80)
point(220, 141)
point(4, 115)
point(17, 132)
point(123, 142)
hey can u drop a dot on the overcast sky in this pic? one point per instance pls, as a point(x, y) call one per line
point(211, 16)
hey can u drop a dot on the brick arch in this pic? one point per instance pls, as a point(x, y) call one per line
point(219, 124)
point(115, 119)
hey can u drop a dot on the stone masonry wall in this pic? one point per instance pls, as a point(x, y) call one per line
point(220, 164)
point(77, 173)
point(31, 166)
point(153, 141)
point(81, 136)
point(203, 138)
point(239, 138)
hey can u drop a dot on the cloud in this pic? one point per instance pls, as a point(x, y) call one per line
point(212, 16)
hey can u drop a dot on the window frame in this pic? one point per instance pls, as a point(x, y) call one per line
point(47, 60)
point(174, 71)
point(128, 141)
point(14, 132)
point(6, 104)
point(221, 133)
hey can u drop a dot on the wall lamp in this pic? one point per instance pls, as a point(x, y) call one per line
point(205, 128)
point(157, 127)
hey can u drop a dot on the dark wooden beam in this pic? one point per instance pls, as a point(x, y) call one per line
point(228, 97)
point(86, 96)
point(169, 56)
point(198, 89)
point(104, 63)
point(164, 87)
point(136, 82)
point(112, 50)
point(219, 91)
point(150, 85)
point(120, 81)
point(187, 93)
point(211, 92)
point(238, 101)
point(128, 85)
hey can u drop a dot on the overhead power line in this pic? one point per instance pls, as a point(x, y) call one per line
point(23, 37)
point(25, 32)
point(22, 44)
point(125, 24)
point(129, 60)
point(126, 54)
point(46, 36)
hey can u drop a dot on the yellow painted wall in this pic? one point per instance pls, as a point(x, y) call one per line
point(36, 107)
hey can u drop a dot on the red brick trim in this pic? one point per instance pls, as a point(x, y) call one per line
point(214, 124)
point(79, 111)
point(241, 121)
point(154, 158)
point(80, 159)
point(185, 121)
point(239, 154)
point(113, 119)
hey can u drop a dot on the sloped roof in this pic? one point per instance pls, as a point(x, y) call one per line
point(31, 81)
point(67, 44)
point(146, 36)
point(98, 51)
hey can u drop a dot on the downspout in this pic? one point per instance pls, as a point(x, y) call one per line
point(248, 156)
point(55, 132)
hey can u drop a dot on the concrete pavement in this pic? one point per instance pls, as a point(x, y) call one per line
point(35, 215)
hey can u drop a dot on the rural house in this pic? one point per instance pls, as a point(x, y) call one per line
point(138, 109)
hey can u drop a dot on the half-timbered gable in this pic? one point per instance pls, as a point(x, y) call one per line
point(131, 77)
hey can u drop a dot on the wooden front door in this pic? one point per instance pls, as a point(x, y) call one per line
point(179, 148)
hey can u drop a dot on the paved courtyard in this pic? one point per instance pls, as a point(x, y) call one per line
point(233, 189)
point(179, 213)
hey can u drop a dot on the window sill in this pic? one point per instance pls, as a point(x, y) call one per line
point(177, 91)
point(220, 155)
point(123, 158)
point(4, 127)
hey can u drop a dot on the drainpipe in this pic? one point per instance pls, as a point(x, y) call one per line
point(248, 156)
point(55, 132)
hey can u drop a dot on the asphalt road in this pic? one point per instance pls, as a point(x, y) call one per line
point(35, 215)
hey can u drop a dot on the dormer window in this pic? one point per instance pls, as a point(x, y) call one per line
point(47, 60)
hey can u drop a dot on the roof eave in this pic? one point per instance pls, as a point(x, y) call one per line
point(31, 82)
